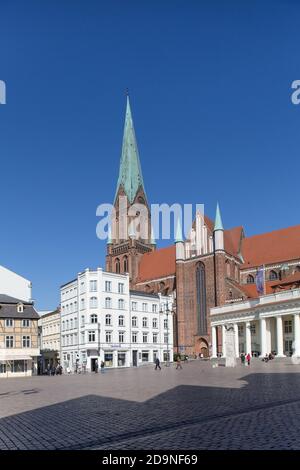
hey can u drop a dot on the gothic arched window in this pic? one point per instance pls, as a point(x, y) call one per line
point(201, 299)
point(125, 263)
point(117, 266)
point(273, 275)
point(250, 279)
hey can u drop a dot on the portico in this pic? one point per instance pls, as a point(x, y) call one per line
point(270, 323)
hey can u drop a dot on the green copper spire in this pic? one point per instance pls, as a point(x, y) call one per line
point(178, 234)
point(130, 174)
point(218, 220)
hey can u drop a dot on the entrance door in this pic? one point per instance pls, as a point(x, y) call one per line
point(93, 364)
point(288, 346)
point(134, 358)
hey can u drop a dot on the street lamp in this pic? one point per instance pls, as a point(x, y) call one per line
point(167, 311)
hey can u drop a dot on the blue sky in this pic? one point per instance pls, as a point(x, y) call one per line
point(210, 86)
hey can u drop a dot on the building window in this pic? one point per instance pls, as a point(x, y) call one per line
point(273, 275)
point(117, 266)
point(154, 308)
point(93, 286)
point(166, 338)
point(134, 306)
point(253, 329)
point(154, 323)
point(9, 322)
point(26, 341)
point(145, 337)
point(121, 304)
point(26, 323)
point(134, 321)
point(93, 302)
point(82, 337)
point(63, 326)
point(71, 324)
point(134, 337)
point(155, 337)
point(94, 318)
point(20, 308)
point(82, 320)
point(108, 286)
point(82, 304)
point(108, 320)
point(92, 337)
point(145, 322)
point(145, 307)
point(227, 268)
point(241, 330)
point(145, 356)
point(9, 341)
point(165, 323)
point(125, 264)
point(121, 336)
point(108, 336)
point(121, 288)
point(108, 302)
point(121, 320)
point(121, 359)
point(82, 288)
point(250, 279)
point(288, 326)
point(201, 299)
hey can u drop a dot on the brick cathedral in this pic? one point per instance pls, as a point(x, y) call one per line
point(213, 267)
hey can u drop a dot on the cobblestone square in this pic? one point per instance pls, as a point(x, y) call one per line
point(199, 407)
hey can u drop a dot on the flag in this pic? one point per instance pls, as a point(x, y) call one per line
point(260, 280)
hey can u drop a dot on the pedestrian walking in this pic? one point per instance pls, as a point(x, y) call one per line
point(243, 359)
point(102, 367)
point(178, 365)
point(248, 359)
point(157, 364)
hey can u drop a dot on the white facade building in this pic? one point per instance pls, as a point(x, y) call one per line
point(102, 320)
point(14, 285)
point(268, 323)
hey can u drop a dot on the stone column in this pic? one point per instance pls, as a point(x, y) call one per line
point(279, 337)
point(223, 341)
point(296, 335)
point(263, 332)
point(248, 338)
point(236, 339)
point(214, 341)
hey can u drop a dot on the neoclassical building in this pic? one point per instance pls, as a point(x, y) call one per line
point(270, 323)
point(214, 266)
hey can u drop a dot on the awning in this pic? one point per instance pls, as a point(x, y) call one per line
point(15, 358)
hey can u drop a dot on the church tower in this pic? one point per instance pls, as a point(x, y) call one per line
point(131, 234)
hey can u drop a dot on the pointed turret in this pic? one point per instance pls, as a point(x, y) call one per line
point(218, 230)
point(130, 173)
point(218, 219)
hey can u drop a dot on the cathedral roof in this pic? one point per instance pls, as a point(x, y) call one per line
point(130, 173)
point(271, 247)
point(158, 264)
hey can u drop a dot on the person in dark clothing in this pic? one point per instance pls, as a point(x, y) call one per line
point(242, 359)
point(96, 366)
point(157, 364)
point(102, 367)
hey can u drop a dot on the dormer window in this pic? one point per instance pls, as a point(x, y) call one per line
point(20, 308)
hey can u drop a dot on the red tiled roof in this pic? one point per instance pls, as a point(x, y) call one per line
point(291, 279)
point(272, 247)
point(158, 264)
point(250, 290)
point(232, 240)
